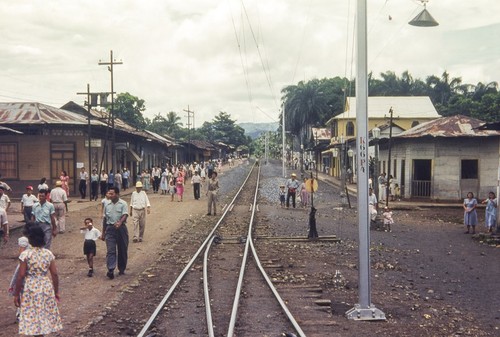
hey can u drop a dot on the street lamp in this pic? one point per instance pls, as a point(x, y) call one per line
point(364, 310)
point(376, 138)
point(424, 18)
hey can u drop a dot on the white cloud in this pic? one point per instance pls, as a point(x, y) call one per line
point(180, 53)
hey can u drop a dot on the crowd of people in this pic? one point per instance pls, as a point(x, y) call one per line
point(34, 285)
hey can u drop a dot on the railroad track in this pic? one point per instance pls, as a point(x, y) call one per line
point(224, 284)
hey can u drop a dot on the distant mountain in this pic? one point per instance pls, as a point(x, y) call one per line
point(255, 129)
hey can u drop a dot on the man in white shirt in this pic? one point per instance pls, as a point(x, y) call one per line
point(4, 199)
point(59, 199)
point(27, 202)
point(139, 205)
point(4, 225)
point(156, 173)
point(82, 187)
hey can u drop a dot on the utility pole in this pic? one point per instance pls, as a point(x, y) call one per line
point(89, 135)
point(387, 188)
point(189, 113)
point(92, 102)
point(110, 65)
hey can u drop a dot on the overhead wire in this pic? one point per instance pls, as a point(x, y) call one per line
point(266, 72)
point(245, 69)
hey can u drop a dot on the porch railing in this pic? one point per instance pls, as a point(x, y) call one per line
point(421, 188)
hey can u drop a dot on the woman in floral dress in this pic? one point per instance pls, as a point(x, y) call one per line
point(65, 182)
point(38, 298)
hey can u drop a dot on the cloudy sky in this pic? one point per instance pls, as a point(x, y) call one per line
point(230, 55)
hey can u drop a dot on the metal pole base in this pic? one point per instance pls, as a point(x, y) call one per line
point(365, 314)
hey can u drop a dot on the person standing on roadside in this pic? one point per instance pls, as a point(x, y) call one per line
point(490, 217)
point(118, 180)
point(94, 184)
point(372, 205)
point(382, 183)
point(115, 233)
point(470, 214)
point(291, 185)
point(64, 178)
point(196, 182)
point(212, 191)
point(44, 216)
point(125, 177)
point(82, 186)
point(4, 199)
point(4, 226)
point(27, 202)
point(139, 205)
point(103, 183)
point(156, 173)
point(59, 198)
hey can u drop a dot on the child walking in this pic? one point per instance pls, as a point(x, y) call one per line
point(388, 221)
point(282, 194)
point(89, 246)
point(171, 188)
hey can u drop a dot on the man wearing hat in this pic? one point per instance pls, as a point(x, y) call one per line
point(291, 185)
point(27, 202)
point(59, 199)
point(139, 205)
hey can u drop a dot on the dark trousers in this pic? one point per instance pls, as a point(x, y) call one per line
point(116, 247)
point(292, 195)
point(156, 184)
point(82, 188)
point(27, 213)
point(125, 183)
point(196, 189)
point(94, 189)
point(104, 188)
point(47, 232)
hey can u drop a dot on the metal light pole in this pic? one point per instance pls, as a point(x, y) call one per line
point(364, 310)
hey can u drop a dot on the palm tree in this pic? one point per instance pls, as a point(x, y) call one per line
point(305, 104)
point(172, 122)
point(442, 89)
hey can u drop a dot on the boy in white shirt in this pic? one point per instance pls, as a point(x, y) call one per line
point(89, 246)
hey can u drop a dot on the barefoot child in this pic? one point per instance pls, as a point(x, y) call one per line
point(89, 246)
point(388, 221)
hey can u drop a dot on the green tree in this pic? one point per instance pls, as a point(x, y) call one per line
point(305, 105)
point(129, 108)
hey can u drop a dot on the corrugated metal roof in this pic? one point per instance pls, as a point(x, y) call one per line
point(453, 126)
point(38, 113)
point(403, 107)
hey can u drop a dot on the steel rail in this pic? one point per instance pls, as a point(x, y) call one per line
point(208, 309)
point(249, 244)
point(275, 292)
point(190, 263)
point(234, 311)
